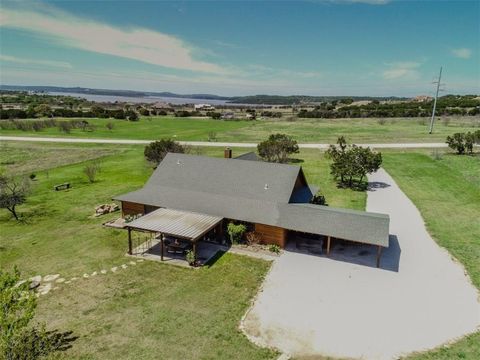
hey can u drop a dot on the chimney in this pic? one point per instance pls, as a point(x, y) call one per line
point(227, 153)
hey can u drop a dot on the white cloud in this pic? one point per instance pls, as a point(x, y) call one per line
point(397, 70)
point(50, 63)
point(143, 45)
point(462, 53)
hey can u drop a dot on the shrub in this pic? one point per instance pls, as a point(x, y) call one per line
point(91, 170)
point(191, 258)
point(253, 237)
point(235, 232)
point(462, 142)
point(32, 176)
point(274, 248)
point(65, 126)
point(318, 199)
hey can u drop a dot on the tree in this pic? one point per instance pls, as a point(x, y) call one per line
point(277, 148)
point(156, 151)
point(235, 232)
point(18, 340)
point(43, 110)
point(13, 192)
point(350, 164)
point(91, 170)
point(131, 115)
point(456, 142)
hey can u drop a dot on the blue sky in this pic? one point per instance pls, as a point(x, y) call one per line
point(330, 47)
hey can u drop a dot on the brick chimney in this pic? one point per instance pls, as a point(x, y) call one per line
point(227, 153)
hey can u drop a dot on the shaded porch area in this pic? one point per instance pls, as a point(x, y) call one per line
point(174, 236)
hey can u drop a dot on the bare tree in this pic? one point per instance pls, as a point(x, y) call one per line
point(13, 192)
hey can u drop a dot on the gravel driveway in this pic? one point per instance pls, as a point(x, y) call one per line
point(418, 300)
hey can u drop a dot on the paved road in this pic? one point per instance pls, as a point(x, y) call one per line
point(343, 306)
point(206, 143)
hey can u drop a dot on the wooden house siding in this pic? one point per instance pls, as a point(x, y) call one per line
point(131, 208)
point(272, 235)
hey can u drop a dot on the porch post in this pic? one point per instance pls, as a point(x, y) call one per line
point(379, 253)
point(328, 246)
point(162, 246)
point(219, 231)
point(194, 245)
point(129, 241)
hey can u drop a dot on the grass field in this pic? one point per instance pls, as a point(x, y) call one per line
point(303, 130)
point(137, 312)
point(447, 193)
point(148, 311)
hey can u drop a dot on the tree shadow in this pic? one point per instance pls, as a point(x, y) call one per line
point(60, 341)
point(374, 185)
point(295, 161)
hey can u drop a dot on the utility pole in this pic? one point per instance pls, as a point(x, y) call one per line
point(435, 101)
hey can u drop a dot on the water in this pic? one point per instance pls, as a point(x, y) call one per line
point(140, 99)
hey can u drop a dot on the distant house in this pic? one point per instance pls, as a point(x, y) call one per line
point(228, 115)
point(206, 107)
point(422, 98)
point(270, 199)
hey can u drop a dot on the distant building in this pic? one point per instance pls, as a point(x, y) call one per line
point(228, 115)
point(422, 98)
point(206, 107)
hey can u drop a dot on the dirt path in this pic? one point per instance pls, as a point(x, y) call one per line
point(418, 300)
point(207, 143)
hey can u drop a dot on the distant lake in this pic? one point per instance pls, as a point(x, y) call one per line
point(139, 99)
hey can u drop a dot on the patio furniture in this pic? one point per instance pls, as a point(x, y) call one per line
point(177, 247)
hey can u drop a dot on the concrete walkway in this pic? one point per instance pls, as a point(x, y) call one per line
point(418, 300)
point(207, 143)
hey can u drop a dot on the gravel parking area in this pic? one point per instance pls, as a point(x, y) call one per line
point(419, 299)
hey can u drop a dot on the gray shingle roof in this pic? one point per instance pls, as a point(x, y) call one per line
point(235, 189)
point(229, 177)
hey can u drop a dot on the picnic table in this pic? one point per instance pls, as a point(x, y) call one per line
point(63, 186)
point(177, 247)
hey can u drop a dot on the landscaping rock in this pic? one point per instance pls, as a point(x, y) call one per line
point(60, 280)
point(103, 272)
point(44, 288)
point(114, 269)
point(132, 263)
point(140, 260)
point(48, 278)
point(124, 266)
point(86, 276)
point(74, 278)
point(20, 283)
point(94, 273)
point(35, 281)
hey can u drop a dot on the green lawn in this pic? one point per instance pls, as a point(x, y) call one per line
point(150, 310)
point(303, 130)
point(137, 312)
point(447, 193)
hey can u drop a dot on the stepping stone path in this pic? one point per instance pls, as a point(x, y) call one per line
point(46, 284)
point(48, 278)
point(44, 289)
point(35, 281)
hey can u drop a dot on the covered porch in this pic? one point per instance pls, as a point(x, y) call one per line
point(168, 235)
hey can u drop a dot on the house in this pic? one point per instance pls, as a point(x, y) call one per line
point(272, 199)
point(206, 107)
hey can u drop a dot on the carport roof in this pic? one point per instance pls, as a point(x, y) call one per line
point(183, 224)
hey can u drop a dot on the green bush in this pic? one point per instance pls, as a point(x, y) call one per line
point(274, 248)
point(235, 232)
